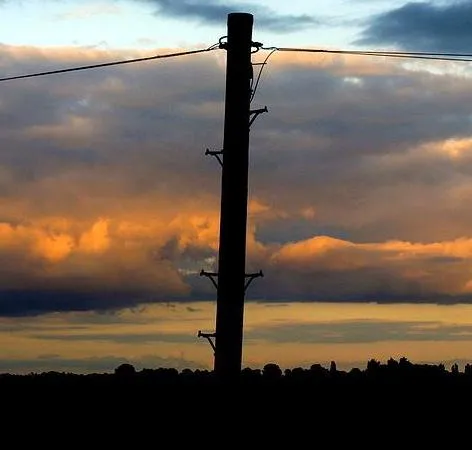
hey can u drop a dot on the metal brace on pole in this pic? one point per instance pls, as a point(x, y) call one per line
point(251, 277)
point(255, 113)
point(208, 337)
point(211, 276)
point(216, 154)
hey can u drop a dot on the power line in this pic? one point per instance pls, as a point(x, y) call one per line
point(407, 56)
point(416, 53)
point(256, 84)
point(109, 64)
point(435, 56)
point(459, 57)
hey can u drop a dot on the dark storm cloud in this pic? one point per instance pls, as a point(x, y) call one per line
point(423, 26)
point(215, 13)
point(33, 303)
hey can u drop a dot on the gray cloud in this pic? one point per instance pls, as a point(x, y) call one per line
point(360, 332)
point(215, 13)
point(364, 154)
point(138, 338)
point(422, 26)
point(345, 332)
point(41, 301)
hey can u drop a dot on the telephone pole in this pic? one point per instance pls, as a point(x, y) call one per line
point(231, 280)
point(234, 194)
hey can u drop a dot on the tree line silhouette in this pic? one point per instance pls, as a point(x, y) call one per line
point(376, 373)
point(397, 394)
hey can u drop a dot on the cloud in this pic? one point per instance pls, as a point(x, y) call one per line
point(215, 12)
point(327, 269)
point(88, 11)
point(360, 332)
point(423, 26)
point(359, 183)
point(332, 332)
point(141, 338)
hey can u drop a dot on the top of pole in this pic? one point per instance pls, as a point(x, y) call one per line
point(240, 14)
point(240, 28)
point(241, 17)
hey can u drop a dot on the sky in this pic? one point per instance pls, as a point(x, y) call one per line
point(360, 184)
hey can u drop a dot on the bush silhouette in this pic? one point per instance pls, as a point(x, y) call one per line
point(125, 370)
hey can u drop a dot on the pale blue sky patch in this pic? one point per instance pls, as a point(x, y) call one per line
point(152, 23)
point(90, 11)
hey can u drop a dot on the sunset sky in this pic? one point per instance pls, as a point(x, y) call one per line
point(360, 184)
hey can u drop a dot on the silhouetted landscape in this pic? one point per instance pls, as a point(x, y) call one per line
point(316, 381)
point(396, 397)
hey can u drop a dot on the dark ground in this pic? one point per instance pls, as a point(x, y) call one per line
point(394, 399)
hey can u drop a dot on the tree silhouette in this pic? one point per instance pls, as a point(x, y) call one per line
point(272, 371)
point(125, 370)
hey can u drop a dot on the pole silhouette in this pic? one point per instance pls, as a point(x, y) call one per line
point(234, 195)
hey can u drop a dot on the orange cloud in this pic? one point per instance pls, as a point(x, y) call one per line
point(340, 65)
point(54, 248)
point(312, 248)
point(257, 207)
point(96, 240)
point(441, 267)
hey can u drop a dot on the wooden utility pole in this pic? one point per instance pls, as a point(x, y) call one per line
point(234, 195)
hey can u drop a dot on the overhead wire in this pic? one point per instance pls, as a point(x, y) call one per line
point(113, 63)
point(437, 56)
point(256, 84)
point(406, 56)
